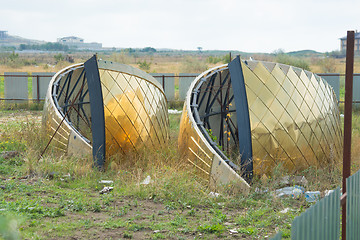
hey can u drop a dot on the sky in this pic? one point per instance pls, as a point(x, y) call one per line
point(249, 26)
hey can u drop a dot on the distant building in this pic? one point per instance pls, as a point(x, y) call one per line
point(70, 40)
point(76, 42)
point(356, 46)
point(3, 34)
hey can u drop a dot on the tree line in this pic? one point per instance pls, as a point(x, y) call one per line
point(44, 47)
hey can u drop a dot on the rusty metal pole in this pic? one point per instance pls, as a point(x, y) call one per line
point(163, 82)
point(347, 119)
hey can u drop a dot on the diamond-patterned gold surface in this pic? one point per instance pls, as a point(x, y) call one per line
point(293, 114)
point(135, 109)
point(135, 112)
point(294, 119)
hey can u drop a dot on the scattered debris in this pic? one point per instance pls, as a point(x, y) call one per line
point(258, 190)
point(285, 210)
point(9, 154)
point(312, 196)
point(174, 111)
point(327, 192)
point(147, 180)
point(156, 231)
point(106, 181)
point(106, 190)
point(214, 194)
point(2, 187)
point(67, 175)
point(233, 231)
point(297, 180)
point(25, 177)
point(294, 192)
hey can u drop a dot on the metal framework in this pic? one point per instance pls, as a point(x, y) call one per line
point(254, 115)
point(64, 90)
point(86, 115)
point(102, 108)
point(213, 98)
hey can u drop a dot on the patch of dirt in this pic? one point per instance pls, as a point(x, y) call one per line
point(20, 116)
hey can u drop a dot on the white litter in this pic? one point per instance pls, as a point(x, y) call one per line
point(174, 111)
point(106, 190)
point(312, 196)
point(214, 194)
point(233, 231)
point(147, 180)
point(327, 192)
point(285, 210)
point(106, 181)
point(294, 192)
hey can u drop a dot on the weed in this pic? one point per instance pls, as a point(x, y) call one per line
point(9, 227)
point(144, 65)
point(158, 236)
point(212, 228)
point(127, 234)
point(179, 221)
point(191, 65)
point(134, 227)
point(114, 223)
point(96, 207)
point(69, 203)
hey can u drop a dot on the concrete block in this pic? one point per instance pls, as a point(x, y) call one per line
point(16, 86)
point(169, 83)
point(185, 79)
point(44, 79)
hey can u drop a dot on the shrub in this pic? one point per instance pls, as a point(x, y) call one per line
point(292, 61)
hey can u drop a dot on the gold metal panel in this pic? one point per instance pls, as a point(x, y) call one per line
point(267, 96)
point(251, 96)
point(261, 72)
point(294, 119)
point(133, 114)
point(288, 86)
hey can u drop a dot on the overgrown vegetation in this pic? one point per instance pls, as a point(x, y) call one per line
point(192, 65)
point(292, 61)
point(44, 47)
point(57, 196)
point(167, 61)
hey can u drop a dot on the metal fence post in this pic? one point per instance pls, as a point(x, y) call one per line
point(37, 89)
point(163, 82)
point(347, 119)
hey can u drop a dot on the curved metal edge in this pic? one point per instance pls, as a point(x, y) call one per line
point(242, 117)
point(123, 68)
point(97, 111)
point(221, 172)
point(75, 140)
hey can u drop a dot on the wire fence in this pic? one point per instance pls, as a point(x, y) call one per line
point(22, 86)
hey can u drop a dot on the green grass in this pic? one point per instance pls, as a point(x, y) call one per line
point(58, 196)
